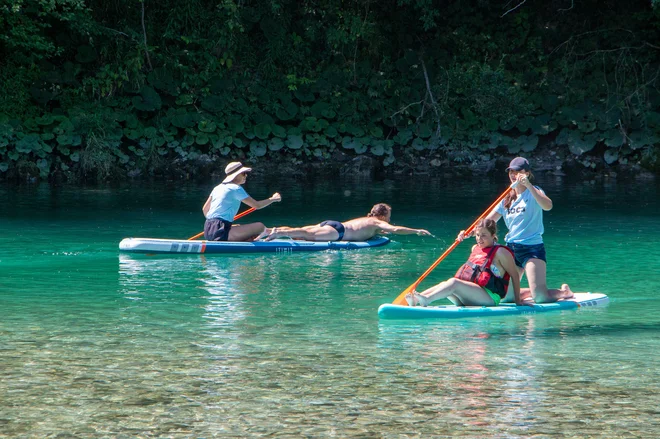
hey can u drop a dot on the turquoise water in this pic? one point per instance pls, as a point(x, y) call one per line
point(94, 343)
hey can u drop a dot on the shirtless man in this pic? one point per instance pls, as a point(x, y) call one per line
point(358, 229)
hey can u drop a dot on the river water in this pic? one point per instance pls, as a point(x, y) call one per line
point(94, 343)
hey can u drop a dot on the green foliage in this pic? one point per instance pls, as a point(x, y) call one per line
point(80, 88)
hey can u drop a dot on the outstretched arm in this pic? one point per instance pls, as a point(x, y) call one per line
point(400, 230)
point(262, 203)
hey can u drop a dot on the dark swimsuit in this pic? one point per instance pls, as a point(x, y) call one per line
point(339, 227)
point(216, 229)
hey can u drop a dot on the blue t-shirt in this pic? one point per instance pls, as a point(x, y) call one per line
point(226, 200)
point(524, 219)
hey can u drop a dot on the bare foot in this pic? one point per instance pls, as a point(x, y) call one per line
point(263, 234)
point(566, 292)
point(411, 299)
point(273, 234)
point(424, 301)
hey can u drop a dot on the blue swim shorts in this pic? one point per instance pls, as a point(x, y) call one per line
point(523, 253)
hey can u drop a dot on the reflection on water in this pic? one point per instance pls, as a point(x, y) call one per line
point(99, 344)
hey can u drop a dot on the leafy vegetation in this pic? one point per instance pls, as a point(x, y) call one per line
point(92, 89)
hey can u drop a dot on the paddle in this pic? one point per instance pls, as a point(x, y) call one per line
point(401, 298)
point(240, 215)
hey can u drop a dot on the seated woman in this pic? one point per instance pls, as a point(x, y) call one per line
point(483, 280)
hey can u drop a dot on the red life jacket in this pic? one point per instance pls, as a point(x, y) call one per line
point(477, 270)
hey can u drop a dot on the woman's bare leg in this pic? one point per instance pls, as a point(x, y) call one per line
point(468, 294)
point(535, 269)
point(245, 232)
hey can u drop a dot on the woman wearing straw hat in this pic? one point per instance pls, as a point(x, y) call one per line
point(223, 204)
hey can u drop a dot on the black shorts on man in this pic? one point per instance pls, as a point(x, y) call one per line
point(339, 227)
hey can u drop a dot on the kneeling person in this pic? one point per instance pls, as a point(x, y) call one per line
point(483, 280)
point(358, 229)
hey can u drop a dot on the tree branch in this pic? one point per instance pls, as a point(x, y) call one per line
point(406, 107)
point(428, 89)
point(565, 10)
point(514, 8)
point(144, 32)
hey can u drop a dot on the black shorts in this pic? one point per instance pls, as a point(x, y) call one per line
point(523, 253)
point(339, 227)
point(216, 229)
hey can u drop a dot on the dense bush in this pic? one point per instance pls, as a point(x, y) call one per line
point(95, 89)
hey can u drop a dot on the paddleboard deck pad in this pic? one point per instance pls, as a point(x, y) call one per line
point(581, 300)
point(153, 245)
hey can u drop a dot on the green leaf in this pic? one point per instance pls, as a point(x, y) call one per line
point(418, 144)
point(214, 104)
point(258, 149)
point(235, 126)
point(360, 148)
point(202, 139)
point(207, 126)
point(185, 120)
point(29, 143)
point(611, 156)
point(378, 150)
point(586, 126)
point(262, 131)
point(318, 109)
point(278, 131)
point(331, 131)
point(148, 100)
point(238, 142)
point(403, 137)
point(45, 120)
point(528, 143)
point(150, 132)
point(614, 138)
point(578, 144)
point(424, 131)
point(524, 124)
point(275, 144)
point(294, 142)
point(304, 95)
point(543, 124)
point(185, 99)
point(287, 111)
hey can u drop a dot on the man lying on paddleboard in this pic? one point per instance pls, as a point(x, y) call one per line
point(358, 229)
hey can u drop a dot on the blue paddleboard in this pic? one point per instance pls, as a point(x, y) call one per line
point(581, 300)
point(153, 245)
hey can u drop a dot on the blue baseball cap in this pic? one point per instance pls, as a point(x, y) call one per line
point(518, 164)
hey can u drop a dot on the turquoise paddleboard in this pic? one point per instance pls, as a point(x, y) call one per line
point(153, 245)
point(582, 300)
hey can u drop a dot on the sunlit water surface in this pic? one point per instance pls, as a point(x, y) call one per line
point(94, 343)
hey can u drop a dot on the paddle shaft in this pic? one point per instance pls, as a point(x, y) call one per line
point(240, 215)
point(401, 298)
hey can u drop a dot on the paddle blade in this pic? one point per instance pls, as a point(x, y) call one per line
point(401, 298)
